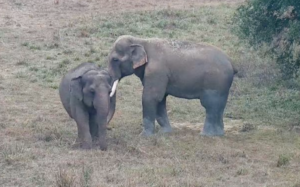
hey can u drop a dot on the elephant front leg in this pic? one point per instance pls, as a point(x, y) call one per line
point(162, 117)
point(150, 103)
point(99, 131)
point(84, 139)
point(153, 95)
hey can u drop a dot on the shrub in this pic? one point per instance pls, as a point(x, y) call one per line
point(276, 23)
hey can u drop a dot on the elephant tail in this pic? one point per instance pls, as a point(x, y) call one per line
point(235, 71)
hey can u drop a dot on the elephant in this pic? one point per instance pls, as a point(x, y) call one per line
point(178, 68)
point(85, 94)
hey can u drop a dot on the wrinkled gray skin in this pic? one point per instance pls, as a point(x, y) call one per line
point(180, 69)
point(84, 92)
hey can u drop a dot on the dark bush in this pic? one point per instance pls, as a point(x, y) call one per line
point(275, 23)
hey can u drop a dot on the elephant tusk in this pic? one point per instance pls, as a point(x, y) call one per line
point(113, 90)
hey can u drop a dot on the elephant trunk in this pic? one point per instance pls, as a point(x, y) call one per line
point(101, 104)
point(102, 136)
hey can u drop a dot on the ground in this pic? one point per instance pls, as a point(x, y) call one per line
point(39, 40)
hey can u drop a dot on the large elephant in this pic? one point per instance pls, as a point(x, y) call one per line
point(84, 92)
point(181, 69)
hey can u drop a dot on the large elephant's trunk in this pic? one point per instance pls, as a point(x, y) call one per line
point(114, 88)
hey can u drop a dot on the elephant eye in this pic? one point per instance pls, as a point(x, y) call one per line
point(92, 90)
point(115, 59)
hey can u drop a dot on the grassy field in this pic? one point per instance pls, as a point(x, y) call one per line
point(261, 146)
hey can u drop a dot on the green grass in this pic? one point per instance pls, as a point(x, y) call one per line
point(256, 97)
point(37, 135)
point(283, 160)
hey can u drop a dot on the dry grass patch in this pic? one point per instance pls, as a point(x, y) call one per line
point(36, 135)
point(65, 178)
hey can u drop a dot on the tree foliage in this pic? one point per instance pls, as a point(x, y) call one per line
point(276, 23)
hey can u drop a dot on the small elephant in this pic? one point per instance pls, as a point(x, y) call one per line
point(181, 69)
point(85, 94)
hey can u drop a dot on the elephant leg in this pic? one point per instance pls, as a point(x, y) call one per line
point(153, 94)
point(93, 128)
point(214, 103)
point(162, 116)
point(98, 132)
point(82, 121)
point(149, 115)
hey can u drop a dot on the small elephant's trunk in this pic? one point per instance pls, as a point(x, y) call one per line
point(114, 88)
point(101, 104)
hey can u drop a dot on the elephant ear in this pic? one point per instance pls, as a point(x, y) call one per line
point(139, 55)
point(76, 88)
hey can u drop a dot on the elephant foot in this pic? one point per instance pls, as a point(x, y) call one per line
point(103, 146)
point(211, 134)
point(165, 130)
point(100, 144)
point(210, 130)
point(146, 133)
point(82, 144)
point(78, 145)
point(86, 145)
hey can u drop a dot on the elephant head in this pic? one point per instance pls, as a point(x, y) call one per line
point(92, 89)
point(127, 55)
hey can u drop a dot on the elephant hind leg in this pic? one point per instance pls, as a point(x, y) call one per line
point(162, 116)
point(214, 103)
